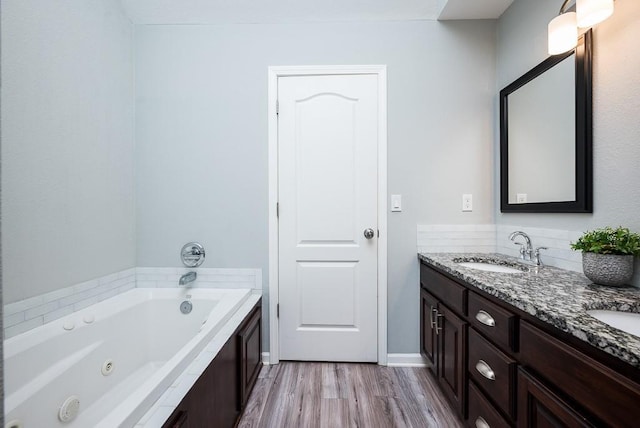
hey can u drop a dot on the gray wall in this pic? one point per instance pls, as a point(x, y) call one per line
point(521, 44)
point(201, 136)
point(67, 144)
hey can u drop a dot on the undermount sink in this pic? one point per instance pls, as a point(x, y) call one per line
point(490, 267)
point(625, 321)
point(489, 264)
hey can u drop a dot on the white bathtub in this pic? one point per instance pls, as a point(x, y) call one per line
point(143, 333)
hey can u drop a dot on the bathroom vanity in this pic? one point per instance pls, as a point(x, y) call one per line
point(519, 349)
point(219, 396)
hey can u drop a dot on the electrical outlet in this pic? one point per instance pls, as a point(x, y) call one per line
point(467, 202)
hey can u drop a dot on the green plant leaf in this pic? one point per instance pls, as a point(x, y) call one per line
point(607, 240)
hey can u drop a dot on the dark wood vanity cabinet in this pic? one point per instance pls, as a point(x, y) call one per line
point(221, 392)
point(517, 371)
point(443, 336)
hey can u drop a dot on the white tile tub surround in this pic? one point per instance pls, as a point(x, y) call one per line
point(489, 238)
point(160, 277)
point(27, 314)
point(457, 238)
point(558, 241)
point(167, 403)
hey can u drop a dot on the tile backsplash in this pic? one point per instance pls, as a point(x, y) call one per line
point(558, 254)
point(19, 317)
point(457, 238)
point(489, 238)
point(152, 277)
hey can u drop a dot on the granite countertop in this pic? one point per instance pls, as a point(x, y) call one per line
point(556, 296)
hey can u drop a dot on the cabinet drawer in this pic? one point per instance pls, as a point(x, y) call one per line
point(493, 371)
point(448, 291)
point(496, 323)
point(606, 394)
point(481, 413)
point(538, 406)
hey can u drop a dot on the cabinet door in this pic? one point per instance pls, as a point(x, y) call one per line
point(250, 337)
point(452, 338)
point(222, 379)
point(213, 400)
point(539, 407)
point(428, 342)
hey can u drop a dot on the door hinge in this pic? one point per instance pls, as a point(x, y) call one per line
point(278, 310)
point(277, 209)
point(277, 107)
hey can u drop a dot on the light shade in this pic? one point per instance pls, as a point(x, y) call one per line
point(592, 12)
point(563, 33)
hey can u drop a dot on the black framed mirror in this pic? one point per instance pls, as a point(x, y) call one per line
point(546, 136)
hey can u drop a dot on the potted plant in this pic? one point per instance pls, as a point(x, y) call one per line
point(607, 254)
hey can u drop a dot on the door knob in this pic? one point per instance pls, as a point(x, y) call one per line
point(369, 233)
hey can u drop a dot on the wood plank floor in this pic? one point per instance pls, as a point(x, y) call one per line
point(335, 395)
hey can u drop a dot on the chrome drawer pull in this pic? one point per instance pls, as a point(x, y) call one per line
point(438, 328)
point(481, 423)
point(485, 318)
point(434, 311)
point(485, 370)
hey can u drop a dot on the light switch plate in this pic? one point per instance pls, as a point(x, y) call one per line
point(467, 202)
point(396, 203)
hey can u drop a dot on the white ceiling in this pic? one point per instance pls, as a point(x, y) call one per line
point(293, 11)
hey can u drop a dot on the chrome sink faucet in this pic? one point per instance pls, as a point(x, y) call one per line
point(525, 249)
point(187, 278)
point(527, 253)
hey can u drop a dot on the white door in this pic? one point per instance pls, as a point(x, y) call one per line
point(327, 161)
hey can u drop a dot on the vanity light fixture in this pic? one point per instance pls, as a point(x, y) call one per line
point(592, 12)
point(563, 29)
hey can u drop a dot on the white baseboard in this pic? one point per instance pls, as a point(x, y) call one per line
point(265, 358)
point(405, 360)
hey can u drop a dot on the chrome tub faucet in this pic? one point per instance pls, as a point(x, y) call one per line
point(188, 278)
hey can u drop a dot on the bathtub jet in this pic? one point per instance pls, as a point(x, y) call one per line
point(188, 278)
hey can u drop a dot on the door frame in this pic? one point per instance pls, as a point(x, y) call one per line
point(274, 286)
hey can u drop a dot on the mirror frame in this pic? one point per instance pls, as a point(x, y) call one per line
point(583, 131)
